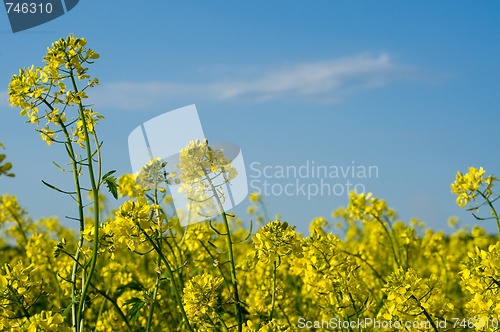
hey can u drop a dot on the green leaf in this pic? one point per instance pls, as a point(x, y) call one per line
point(67, 311)
point(110, 182)
point(57, 189)
point(136, 306)
point(59, 166)
point(5, 167)
point(108, 174)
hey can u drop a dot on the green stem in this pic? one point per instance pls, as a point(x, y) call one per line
point(426, 314)
point(115, 305)
point(222, 322)
point(229, 241)
point(19, 225)
point(219, 266)
point(358, 256)
point(495, 215)
point(273, 296)
point(390, 240)
point(95, 193)
point(152, 307)
point(76, 179)
point(19, 300)
point(157, 282)
point(170, 275)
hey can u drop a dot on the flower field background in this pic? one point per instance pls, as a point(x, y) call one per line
point(136, 269)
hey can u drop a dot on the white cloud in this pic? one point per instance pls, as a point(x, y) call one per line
point(322, 81)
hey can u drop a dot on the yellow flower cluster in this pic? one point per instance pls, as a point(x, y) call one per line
point(480, 277)
point(272, 326)
point(203, 172)
point(198, 159)
point(42, 93)
point(47, 321)
point(132, 223)
point(468, 186)
point(275, 240)
point(21, 287)
point(154, 176)
point(321, 276)
point(128, 186)
point(409, 295)
point(201, 298)
point(364, 207)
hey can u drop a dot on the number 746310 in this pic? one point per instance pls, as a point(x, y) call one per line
point(29, 8)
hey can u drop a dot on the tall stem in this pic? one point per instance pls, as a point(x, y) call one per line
point(152, 307)
point(157, 281)
point(273, 299)
point(390, 240)
point(234, 279)
point(171, 276)
point(79, 201)
point(95, 193)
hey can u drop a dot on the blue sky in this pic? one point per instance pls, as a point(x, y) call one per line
point(408, 87)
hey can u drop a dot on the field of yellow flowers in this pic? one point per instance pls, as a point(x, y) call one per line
point(137, 269)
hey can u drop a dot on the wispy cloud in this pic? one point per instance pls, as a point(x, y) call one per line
point(322, 81)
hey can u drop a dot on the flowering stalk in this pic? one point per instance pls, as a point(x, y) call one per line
point(272, 242)
point(171, 276)
point(95, 193)
point(78, 191)
point(468, 186)
point(158, 264)
point(197, 162)
point(229, 242)
point(273, 296)
point(493, 210)
point(35, 87)
point(389, 236)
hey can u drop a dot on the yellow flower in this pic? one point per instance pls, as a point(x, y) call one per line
point(254, 197)
point(275, 240)
point(203, 174)
point(198, 160)
point(274, 326)
point(364, 207)
point(35, 88)
point(131, 221)
point(468, 186)
point(127, 186)
point(47, 321)
point(201, 297)
point(318, 226)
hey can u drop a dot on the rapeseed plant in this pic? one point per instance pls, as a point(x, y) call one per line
point(135, 268)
